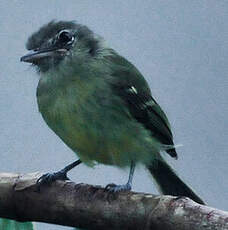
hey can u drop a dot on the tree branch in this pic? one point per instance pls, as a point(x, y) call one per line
point(91, 207)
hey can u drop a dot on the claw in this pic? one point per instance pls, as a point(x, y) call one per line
point(118, 188)
point(48, 178)
point(109, 186)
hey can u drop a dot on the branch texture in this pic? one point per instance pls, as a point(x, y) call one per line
point(91, 207)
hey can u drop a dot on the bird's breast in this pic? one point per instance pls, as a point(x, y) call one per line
point(93, 123)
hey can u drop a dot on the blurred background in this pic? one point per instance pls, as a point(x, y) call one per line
point(181, 47)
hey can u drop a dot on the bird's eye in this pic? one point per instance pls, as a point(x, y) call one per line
point(65, 36)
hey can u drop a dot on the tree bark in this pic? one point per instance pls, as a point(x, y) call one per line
point(91, 207)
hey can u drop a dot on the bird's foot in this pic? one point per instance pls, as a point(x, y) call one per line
point(48, 178)
point(118, 188)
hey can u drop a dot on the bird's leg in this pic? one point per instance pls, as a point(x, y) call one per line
point(125, 187)
point(60, 175)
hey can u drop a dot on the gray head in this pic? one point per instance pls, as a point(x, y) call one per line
point(58, 41)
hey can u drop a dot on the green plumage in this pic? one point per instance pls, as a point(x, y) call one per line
point(91, 119)
point(100, 105)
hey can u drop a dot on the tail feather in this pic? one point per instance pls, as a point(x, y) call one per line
point(6, 224)
point(169, 183)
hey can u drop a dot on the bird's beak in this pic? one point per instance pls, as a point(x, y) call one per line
point(36, 55)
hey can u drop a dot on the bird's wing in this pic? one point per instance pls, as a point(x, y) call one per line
point(131, 86)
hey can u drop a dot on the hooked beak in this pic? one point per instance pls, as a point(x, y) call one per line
point(36, 55)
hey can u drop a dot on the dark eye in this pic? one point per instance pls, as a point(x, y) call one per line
point(65, 37)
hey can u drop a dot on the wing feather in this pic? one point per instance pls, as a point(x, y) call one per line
point(131, 86)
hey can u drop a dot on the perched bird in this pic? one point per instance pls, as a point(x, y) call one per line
point(100, 105)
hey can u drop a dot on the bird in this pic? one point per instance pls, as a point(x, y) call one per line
point(101, 106)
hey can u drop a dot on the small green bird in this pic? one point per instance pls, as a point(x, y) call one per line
point(101, 106)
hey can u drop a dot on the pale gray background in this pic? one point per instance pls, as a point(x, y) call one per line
point(181, 48)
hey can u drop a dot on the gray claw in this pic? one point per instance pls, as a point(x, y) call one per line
point(118, 188)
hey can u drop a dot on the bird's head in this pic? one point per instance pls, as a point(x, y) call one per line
point(60, 41)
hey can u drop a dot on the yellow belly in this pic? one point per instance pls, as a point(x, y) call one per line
point(96, 130)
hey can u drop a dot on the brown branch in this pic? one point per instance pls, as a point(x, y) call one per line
point(90, 207)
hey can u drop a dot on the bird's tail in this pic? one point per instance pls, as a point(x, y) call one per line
point(168, 181)
point(6, 224)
